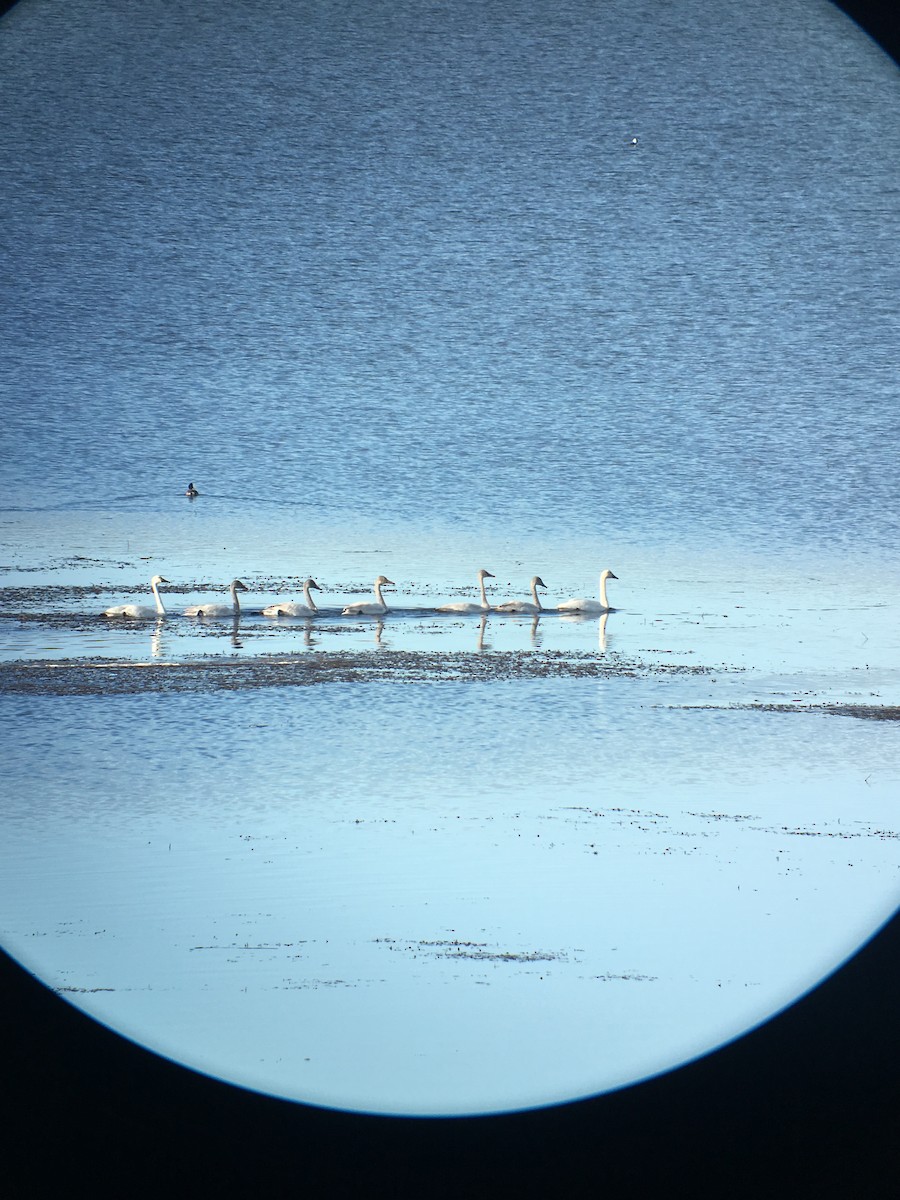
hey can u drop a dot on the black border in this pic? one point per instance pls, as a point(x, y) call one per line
point(808, 1105)
point(879, 18)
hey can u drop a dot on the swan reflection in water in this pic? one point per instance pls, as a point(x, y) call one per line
point(579, 618)
point(307, 629)
point(482, 626)
point(156, 641)
point(235, 631)
point(535, 632)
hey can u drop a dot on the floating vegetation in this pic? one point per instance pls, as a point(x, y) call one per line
point(628, 977)
point(479, 951)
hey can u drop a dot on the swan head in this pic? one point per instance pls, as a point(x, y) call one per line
point(538, 582)
point(157, 580)
point(311, 583)
point(607, 574)
point(384, 581)
point(482, 574)
point(237, 586)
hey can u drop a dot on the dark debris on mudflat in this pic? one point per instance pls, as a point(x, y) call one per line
point(99, 676)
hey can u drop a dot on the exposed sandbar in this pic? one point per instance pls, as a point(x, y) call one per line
point(102, 676)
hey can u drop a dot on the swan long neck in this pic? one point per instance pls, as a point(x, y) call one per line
point(234, 599)
point(535, 597)
point(310, 603)
point(154, 587)
point(484, 599)
point(603, 599)
point(378, 595)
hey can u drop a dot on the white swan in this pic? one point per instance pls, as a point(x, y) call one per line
point(293, 608)
point(366, 607)
point(524, 606)
point(141, 612)
point(220, 610)
point(466, 606)
point(582, 604)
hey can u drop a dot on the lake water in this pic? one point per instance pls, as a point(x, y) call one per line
point(394, 287)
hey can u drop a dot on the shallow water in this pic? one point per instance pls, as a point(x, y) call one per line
point(401, 298)
point(384, 894)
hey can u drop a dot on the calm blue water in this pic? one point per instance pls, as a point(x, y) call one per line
point(392, 286)
point(381, 256)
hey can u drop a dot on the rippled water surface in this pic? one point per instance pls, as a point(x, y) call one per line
point(442, 897)
point(398, 289)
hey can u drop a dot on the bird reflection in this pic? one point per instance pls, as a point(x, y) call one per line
point(482, 644)
point(583, 618)
point(156, 641)
point(528, 630)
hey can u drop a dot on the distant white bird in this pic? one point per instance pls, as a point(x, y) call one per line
point(582, 604)
point(293, 608)
point(141, 612)
point(633, 142)
point(220, 610)
point(523, 606)
point(366, 607)
point(466, 606)
point(191, 491)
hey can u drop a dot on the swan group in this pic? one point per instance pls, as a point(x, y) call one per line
point(377, 608)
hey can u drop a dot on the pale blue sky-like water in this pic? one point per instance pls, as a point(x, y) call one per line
point(395, 289)
point(387, 896)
